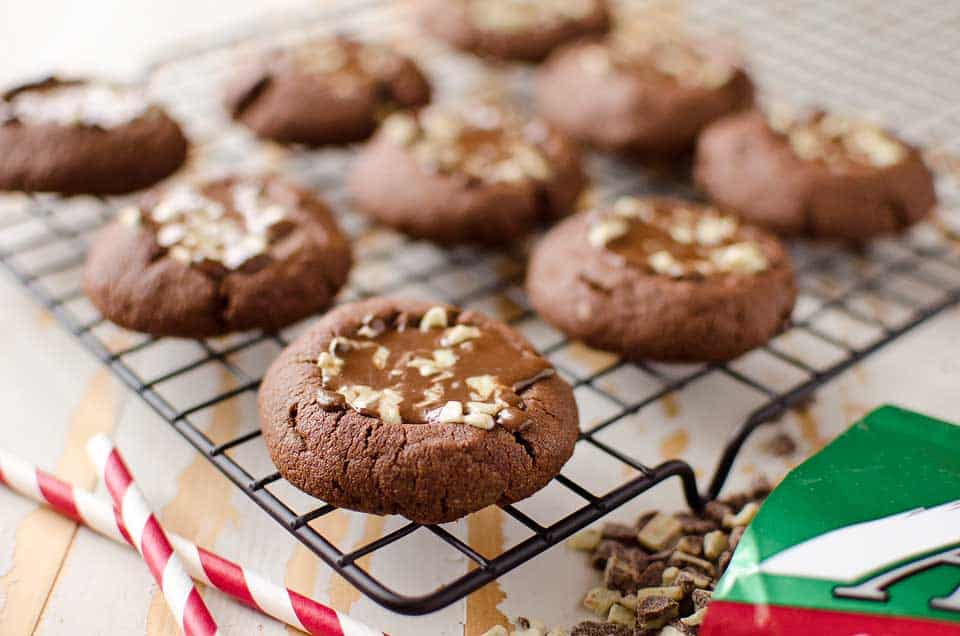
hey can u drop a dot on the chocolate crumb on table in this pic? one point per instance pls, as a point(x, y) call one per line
point(658, 573)
point(780, 445)
point(526, 627)
point(601, 629)
point(689, 552)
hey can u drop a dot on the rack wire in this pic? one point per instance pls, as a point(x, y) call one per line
point(852, 302)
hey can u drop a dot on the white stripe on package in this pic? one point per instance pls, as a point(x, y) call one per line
point(851, 553)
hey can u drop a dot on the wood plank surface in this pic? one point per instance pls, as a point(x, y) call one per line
point(59, 580)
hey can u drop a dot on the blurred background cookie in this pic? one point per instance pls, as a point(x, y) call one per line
point(513, 29)
point(80, 137)
point(198, 260)
point(664, 279)
point(455, 410)
point(640, 90)
point(480, 173)
point(324, 91)
point(819, 174)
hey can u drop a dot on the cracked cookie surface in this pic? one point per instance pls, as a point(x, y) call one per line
point(819, 175)
point(201, 259)
point(663, 279)
point(394, 406)
point(324, 91)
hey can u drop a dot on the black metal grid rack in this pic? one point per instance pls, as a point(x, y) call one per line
point(885, 290)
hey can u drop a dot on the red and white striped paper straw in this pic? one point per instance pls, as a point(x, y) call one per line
point(151, 541)
point(230, 578)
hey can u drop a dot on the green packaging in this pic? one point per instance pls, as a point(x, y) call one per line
point(863, 538)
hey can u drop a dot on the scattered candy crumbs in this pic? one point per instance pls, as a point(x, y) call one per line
point(658, 573)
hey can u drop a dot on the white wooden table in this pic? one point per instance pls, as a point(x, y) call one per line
point(58, 579)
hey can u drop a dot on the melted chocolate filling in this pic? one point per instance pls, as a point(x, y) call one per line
point(427, 368)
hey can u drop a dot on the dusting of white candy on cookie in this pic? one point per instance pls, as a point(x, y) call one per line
point(76, 104)
point(480, 141)
point(196, 228)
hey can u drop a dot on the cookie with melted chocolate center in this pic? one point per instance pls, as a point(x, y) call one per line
point(514, 29)
point(481, 173)
point(640, 93)
point(403, 407)
point(78, 137)
point(324, 91)
point(819, 175)
point(663, 279)
point(203, 259)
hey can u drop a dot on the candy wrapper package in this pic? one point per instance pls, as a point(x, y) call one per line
point(861, 539)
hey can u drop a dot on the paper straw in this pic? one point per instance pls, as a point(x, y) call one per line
point(151, 541)
point(210, 569)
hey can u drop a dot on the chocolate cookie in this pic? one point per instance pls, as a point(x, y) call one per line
point(818, 175)
point(480, 174)
point(77, 137)
point(664, 279)
point(638, 92)
point(402, 407)
point(198, 260)
point(514, 29)
point(324, 91)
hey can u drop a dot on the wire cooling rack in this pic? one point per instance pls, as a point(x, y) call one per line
point(852, 303)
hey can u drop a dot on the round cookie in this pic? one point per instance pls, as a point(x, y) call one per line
point(514, 29)
point(819, 175)
point(402, 407)
point(479, 174)
point(199, 260)
point(663, 279)
point(77, 137)
point(637, 92)
point(324, 91)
